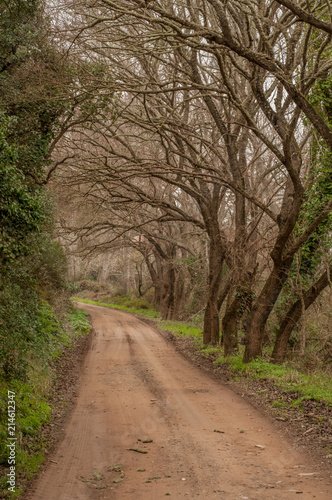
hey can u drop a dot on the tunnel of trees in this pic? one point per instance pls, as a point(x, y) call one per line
point(192, 136)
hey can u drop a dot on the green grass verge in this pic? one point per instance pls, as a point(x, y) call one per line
point(32, 411)
point(317, 386)
point(181, 329)
point(32, 408)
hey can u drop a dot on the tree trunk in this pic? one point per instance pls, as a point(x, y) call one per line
point(235, 310)
point(262, 309)
point(156, 295)
point(223, 293)
point(211, 316)
point(167, 298)
point(139, 279)
point(163, 278)
point(293, 315)
point(287, 326)
point(229, 327)
point(211, 322)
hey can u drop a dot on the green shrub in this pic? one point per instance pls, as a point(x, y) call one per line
point(48, 340)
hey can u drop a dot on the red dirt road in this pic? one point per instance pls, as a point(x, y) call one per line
point(136, 387)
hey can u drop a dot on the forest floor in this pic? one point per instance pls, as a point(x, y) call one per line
point(149, 423)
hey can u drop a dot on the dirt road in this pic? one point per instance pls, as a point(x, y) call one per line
point(137, 388)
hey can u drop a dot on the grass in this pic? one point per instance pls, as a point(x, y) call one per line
point(32, 411)
point(316, 386)
point(32, 408)
point(181, 329)
point(78, 319)
point(209, 350)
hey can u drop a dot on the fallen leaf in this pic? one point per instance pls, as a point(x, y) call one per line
point(97, 475)
point(115, 468)
point(119, 479)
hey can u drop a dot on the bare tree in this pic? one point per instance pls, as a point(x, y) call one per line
point(214, 98)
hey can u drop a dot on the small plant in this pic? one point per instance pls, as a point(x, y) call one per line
point(183, 329)
point(279, 404)
point(208, 351)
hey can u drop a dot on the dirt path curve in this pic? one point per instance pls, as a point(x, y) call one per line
point(137, 387)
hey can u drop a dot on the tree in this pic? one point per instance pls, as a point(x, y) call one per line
point(123, 166)
point(313, 270)
point(208, 87)
point(43, 94)
point(22, 209)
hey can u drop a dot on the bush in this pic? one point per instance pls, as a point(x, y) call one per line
point(32, 395)
point(33, 286)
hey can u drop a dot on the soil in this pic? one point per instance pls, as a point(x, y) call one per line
point(67, 377)
point(148, 423)
point(307, 422)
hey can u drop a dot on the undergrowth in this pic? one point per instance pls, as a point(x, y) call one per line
point(32, 408)
point(315, 386)
point(182, 329)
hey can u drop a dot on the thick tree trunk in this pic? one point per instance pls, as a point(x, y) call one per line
point(234, 308)
point(156, 295)
point(167, 298)
point(240, 303)
point(211, 322)
point(261, 311)
point(211, 332)
point(223, 293)
point(162, 273)
point(293, 315)
point(230, 327)
point(164, 298)
point(169, 291)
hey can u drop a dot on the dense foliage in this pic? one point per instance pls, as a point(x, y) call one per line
point(22, 207)
point(34, 322)
point(25, 215)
